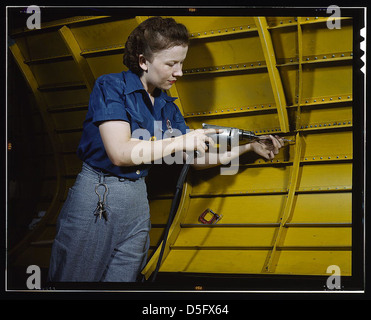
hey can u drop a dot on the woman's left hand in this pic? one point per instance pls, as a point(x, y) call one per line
point(267, 147)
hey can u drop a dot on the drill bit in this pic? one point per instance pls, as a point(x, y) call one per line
point(252, 136)
point(283, 139)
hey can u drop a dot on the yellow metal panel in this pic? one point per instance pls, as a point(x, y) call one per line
point(336, 145)
point(326, 177)
point(160, 209)
point(327, 81)
point(102, 44)
point(216, 26)
point(173, 92)
point(106, 64)
point(323, 208)
point(42, 45)
point(75, 121)
point(250, 180)
point(204, 94)
point(314, 262)
point(320, 40)
point(318, 237)
point(218, 261)
point(103, 35)
point(289, 76)
point(227, 51)
point(285, 44)
point(294, 262)
point(156, 236)
point(326, 117)
point(238, 209)
point(225, 237)
point(66, 71)
point(58, 98)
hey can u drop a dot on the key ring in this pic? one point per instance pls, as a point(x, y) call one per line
point(105, 191)
point(100, 209)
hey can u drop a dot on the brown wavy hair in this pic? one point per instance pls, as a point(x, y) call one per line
point(153, 35)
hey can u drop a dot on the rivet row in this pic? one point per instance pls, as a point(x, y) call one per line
point(229, 110)
point(326, 124)
point(222, 31)
point(308, 189)
point(318, 158)
point(341, 55)
point(106, 48)
point(314, 59)
point(274, 24)
point(329, 99)
point(258, 64)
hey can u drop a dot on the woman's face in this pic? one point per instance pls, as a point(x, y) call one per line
point(164, 69)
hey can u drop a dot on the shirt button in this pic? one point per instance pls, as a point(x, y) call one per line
point(137, 172)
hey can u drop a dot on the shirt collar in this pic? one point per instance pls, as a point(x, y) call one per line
point(133, 83)
point(164, 96)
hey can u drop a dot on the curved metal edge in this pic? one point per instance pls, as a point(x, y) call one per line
point(56, 145)
point(173, 232)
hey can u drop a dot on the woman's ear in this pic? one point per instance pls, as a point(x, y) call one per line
point(143, 62)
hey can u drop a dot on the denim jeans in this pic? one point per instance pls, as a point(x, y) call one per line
point(89, 248)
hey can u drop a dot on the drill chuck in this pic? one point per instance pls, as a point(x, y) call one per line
point(231, 135)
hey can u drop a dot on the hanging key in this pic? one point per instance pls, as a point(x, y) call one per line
point(100, 211)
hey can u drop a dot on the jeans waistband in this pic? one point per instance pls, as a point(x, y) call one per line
point(102, 176)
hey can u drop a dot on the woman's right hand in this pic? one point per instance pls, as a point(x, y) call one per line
point(196, 140)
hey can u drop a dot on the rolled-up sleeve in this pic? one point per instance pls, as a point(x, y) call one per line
point(107, 101)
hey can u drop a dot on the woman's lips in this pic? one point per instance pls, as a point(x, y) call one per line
point(172, 81)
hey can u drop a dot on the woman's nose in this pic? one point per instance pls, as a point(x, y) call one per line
point(177, 71)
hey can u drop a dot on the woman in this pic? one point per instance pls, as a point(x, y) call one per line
point(103, 228)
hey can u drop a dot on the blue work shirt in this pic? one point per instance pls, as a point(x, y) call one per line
point(121, 96)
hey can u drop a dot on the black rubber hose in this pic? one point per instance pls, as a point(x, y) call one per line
point(179, 186)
